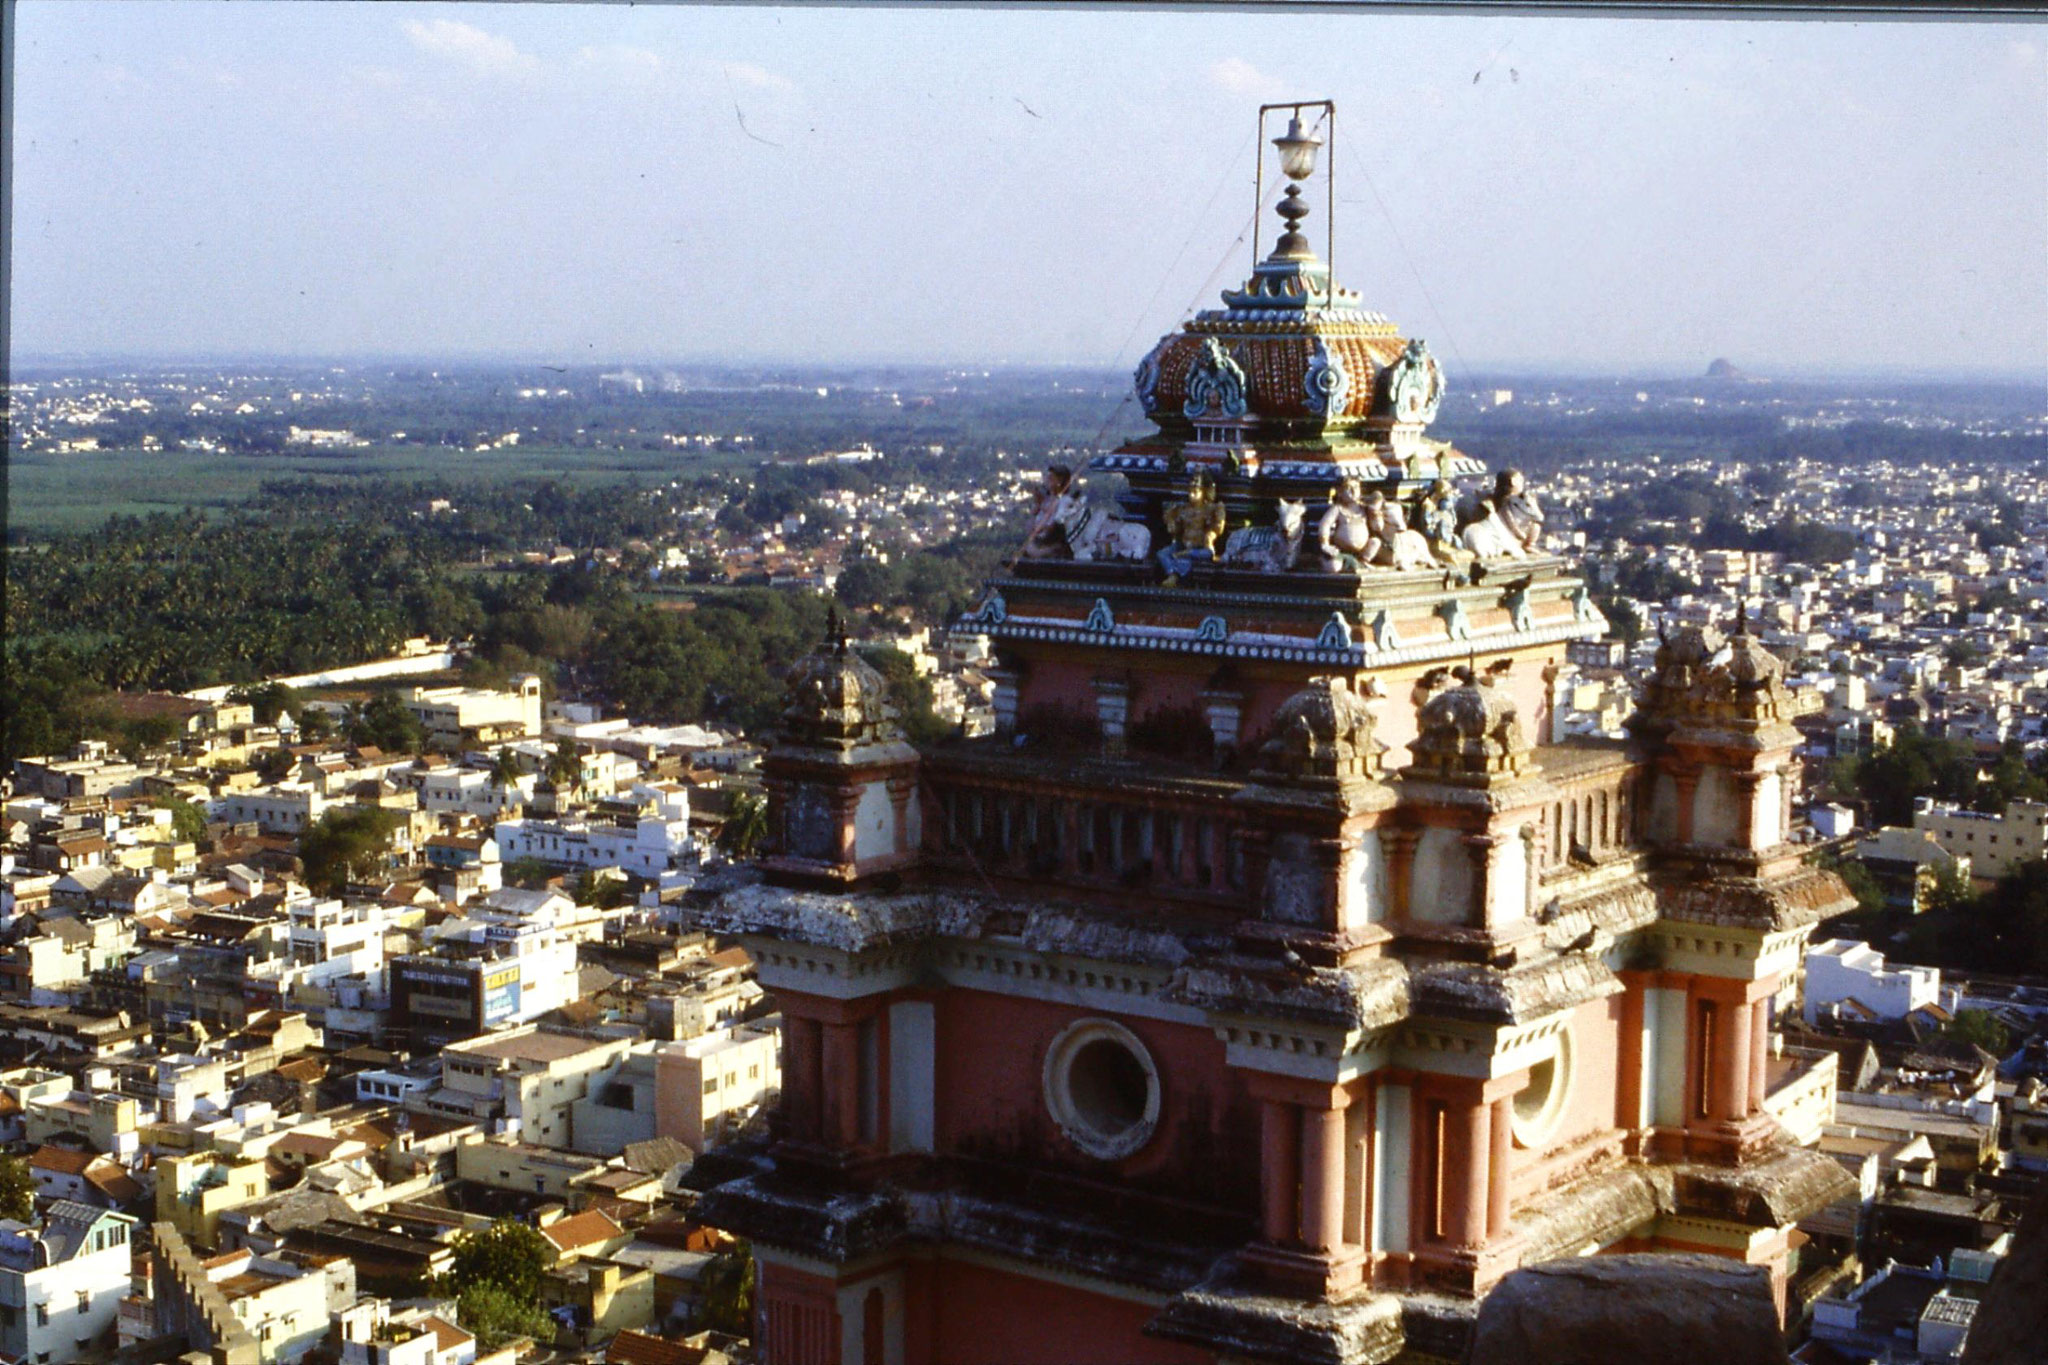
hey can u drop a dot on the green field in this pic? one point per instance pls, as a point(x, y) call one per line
point(48, 492)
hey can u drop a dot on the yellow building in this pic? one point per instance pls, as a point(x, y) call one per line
point(192, 1192)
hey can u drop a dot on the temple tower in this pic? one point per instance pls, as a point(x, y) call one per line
point(1264, 988)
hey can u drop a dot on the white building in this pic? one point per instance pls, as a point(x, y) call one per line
point(371, 1334)
point(286, 807)
point(283, 1301)
point(61, 1283)
point(472, 791)
point(456, 717)
point(524, 1082)
point(1841, 970)
point(1830, 820)
point(481, 975)
point(707, 1087)
point(657, 841)
point(1994, 844)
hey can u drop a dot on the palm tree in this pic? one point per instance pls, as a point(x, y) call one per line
point(505, 769)
point(565, 767)
point(745, 827)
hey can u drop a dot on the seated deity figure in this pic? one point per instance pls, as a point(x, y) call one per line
point(1436, 518)
point(1345, 536)
point(1191, 528)
point(1044, 538)
point(1488, 537)
point(1519, 510)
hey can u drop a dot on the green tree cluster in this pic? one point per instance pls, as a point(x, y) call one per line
point(1913, 764)
point(188, 821)
point(496, 1278)
point(727, 1304)
point(348, 843)
point(1982, 1028)
point(911, 694)
point(384, 721)
point(17, 1189)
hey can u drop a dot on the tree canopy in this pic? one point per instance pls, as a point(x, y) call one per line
point(348, 843)
point(496, 1277)
point(17, 1189)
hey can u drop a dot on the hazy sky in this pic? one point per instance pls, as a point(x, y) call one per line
point(670, 182)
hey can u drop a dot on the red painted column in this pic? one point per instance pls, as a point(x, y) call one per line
point(1759, 1053)
point(1469, 1140)
point(1322, 1178)
point(1497, 1167)
point(803, 1101)
point(1732, 1061)
point(1628, 1090)
point(842, 1085)
point(1280, 1150)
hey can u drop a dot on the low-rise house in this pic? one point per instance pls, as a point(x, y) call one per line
point(479, 974)
point(463, 717)
point(193, 1191)
point(1844, 976)
point(523, 1082)
point(1995, 844)
point(98, 1117)
point(619, 1106)
point(61, 1283)
point(707, 1087)
point(283, 807)
point(648, 835)
point(239, 1305)
point(593, 1301)
point(86, 1178)
point(51, 966)
point(373, 1333)
point(2027, 1127)
point(1905, 863)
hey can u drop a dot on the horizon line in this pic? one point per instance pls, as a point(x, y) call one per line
point(1525, 368)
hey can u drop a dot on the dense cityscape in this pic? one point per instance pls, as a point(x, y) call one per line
point(341, 946)
point(730, 685)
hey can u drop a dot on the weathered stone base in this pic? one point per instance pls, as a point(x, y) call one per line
point(1239, 1320)
point(1306, 1272)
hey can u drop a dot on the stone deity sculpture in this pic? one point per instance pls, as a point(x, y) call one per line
point(1044, 537)
point(1345, 537)
point(1191, 528)
point(1488, 537)
point(1436, 518)
point(1400, 547)
point(1518, 509)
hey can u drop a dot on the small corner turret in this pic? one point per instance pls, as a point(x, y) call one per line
point(840, 777)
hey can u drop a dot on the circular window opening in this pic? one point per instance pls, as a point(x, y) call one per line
point(1539, 1104)
point(1108, 1086)
point(1102, 1088)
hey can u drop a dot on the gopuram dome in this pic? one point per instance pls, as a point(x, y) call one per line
point(1470, 733)
point(835, 699)
point(1323, 732)
point(1293, 371)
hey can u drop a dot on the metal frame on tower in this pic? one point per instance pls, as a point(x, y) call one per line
point(1294, 107)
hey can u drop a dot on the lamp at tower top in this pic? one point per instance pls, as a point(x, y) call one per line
point(1298, 148)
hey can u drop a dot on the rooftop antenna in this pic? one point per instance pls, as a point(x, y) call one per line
point(1298, 148)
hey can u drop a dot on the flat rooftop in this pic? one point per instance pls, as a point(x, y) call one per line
point(526, 1047)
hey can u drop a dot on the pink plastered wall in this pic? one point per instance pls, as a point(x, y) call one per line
point(977, 1315)
point(1070, 684)
point(990, 1100)
point(1589, 1104)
